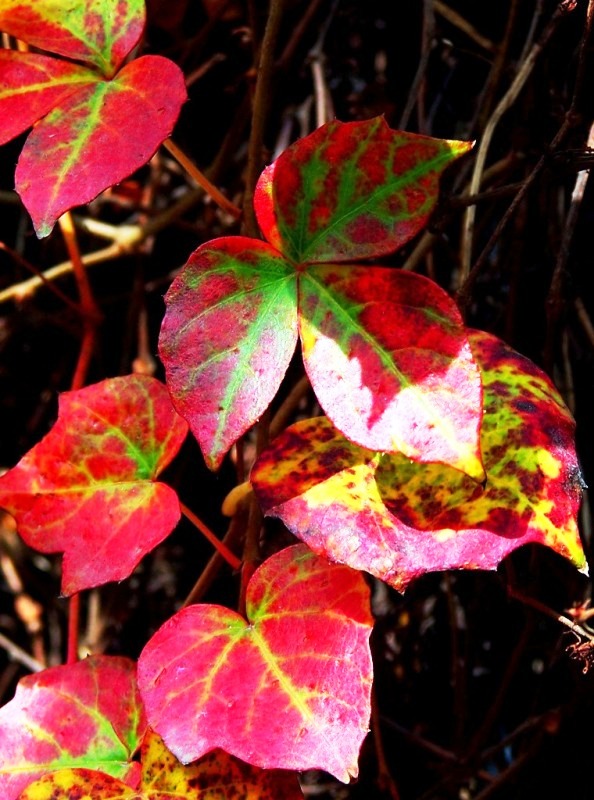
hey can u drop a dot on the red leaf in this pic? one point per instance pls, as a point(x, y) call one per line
point(31, 85)
point(398, 519)
point(87, 713)
point(388, 358)
point(290, 689)
point(96, 137)
point(99, 32)
point(351, 190)
point(227, 338)
point(88, 488)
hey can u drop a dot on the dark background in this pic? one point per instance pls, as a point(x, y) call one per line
point(477, 694)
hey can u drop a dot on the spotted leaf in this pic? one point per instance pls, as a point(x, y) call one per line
point(87, 715)
point(217, 776)
point(89, 489)
point(398, 519)
point(289, 688)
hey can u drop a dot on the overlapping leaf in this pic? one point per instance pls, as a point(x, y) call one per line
point(385, 350)
point(101, 124)
point(87, 715)
point(390, 363)
point(351, 190)
point(228, 336)
point(289, 688)
point(397, 519)
point(89, 489)
point(217, 776)
point(98, 32)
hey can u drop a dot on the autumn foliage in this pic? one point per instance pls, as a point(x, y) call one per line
point(440, 447)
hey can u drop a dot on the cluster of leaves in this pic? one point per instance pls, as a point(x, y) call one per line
point(441, 448)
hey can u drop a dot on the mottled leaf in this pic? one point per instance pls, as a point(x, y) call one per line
point(31, 85)
point(88, 488)
point(289, 688)
point(351, 190)
point(397, 519)
point(86, 714)
point(217, 776)
point(96, 137)
point(98, 32)
point(227, 338)
point(388, 358)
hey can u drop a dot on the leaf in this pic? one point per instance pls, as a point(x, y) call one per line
point(227, 338)
point(88, 488)
point(388, 358)
point(217, 776)
point(98, 32)
point(289, 689)
point(351, 190)
point(398, 519)
point(87, 714)
point(97, 137)
point(31, 85)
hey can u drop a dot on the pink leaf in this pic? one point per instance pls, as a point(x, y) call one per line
point(289, 688)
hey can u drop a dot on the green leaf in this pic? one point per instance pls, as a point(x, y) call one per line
point(398, 519)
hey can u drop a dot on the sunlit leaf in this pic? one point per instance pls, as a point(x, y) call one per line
point(98, 32)
point(89, 489)
point(388, 358)
point(96, 137)
point(351, 190)
point(217, 776)
point(87, 715)
point(31, 85)
point(227, 338)
point(289, 688)
point(398, 519)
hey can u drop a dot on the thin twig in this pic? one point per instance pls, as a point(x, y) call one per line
point(219, 546)
point(18, 654)
point(462, 24)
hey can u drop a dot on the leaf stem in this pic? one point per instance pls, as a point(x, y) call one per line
point(201, 179)
point(221, 548)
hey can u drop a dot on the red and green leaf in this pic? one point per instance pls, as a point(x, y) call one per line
point(398, 519)
point(96, 137)
point(289, 688)
point(31, 85)
point(98, 32)
point(217, 776)
point(86, 715)
point(227, 338)
point(89, 489)
point(351, 190)
point(388, 358)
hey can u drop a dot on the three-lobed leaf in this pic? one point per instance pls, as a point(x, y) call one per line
point(289, 688)
point(217, 776)
point(386, 351)
point(398, 519)
point(86, 715)
point(89, 487)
